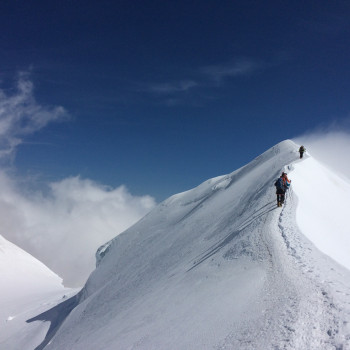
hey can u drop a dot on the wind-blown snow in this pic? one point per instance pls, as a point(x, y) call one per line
point(221, 267)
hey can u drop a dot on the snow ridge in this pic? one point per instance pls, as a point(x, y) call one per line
point(216, 267)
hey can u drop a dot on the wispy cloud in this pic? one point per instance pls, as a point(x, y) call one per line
point(172, 87)
point(65, 222)
point(21, 115)
point(175, 91)
point(220, 72)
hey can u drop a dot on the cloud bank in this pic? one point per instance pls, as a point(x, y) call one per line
point(65, 223)
point(331, 146)
point(64, 227)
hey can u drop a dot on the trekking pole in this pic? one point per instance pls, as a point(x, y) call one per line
point(287, 194)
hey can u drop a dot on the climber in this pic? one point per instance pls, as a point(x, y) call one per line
point(301, 151)
point(282, 184)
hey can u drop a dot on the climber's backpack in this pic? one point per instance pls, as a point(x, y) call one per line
point(279, 184)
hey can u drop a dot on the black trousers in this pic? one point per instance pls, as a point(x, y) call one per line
point(301, 154)
point(280, 196)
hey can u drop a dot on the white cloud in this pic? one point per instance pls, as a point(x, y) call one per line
point(21, 115)
point(330, 145)
point(63, 227)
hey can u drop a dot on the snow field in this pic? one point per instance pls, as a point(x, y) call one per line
point(215, 267)
point(221, 267)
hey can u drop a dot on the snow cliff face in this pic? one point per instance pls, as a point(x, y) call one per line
point(217, 267)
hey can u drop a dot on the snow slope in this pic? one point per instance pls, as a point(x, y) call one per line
point(28, 287)
point(221, 267)
point(322, 211)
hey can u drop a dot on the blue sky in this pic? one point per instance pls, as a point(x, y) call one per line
point(162, 95)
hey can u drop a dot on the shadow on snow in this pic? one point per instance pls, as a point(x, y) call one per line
point(56, 317)
point(216, 247)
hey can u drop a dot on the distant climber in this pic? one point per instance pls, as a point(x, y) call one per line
point(301, 151)
point(282, 184)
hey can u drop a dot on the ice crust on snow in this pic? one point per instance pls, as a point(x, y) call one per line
point(221, 267)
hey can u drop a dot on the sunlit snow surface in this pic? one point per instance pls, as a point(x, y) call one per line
point(27, 288)
point(323, 210)
point(221, 267)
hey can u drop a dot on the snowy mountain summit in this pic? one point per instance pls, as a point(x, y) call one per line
point(222, 267)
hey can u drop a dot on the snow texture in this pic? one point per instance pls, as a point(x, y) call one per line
point(27, 288)
point(222, 267)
